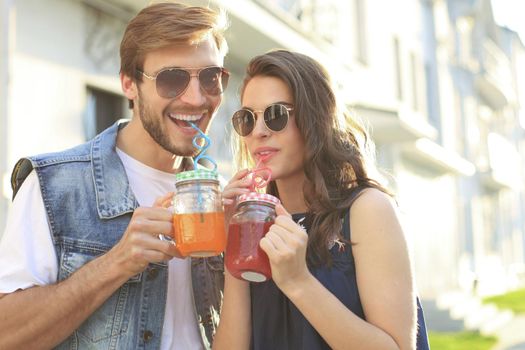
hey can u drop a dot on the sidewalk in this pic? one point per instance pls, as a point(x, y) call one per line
point(512, 335)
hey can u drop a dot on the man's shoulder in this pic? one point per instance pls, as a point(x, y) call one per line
point(24, 166)
point(80, 157)
point(78, 153)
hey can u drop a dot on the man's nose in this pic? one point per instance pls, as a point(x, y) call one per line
point(193, 95)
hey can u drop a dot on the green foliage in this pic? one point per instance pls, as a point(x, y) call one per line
point(461, 341)
point(514, 301)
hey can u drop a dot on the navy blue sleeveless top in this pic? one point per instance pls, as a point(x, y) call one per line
point(278, 324)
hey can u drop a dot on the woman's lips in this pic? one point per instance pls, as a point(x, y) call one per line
point(264, 154)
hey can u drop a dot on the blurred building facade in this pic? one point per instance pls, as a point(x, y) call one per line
point(438, 81)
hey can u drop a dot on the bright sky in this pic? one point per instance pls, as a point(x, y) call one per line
point(510, 13)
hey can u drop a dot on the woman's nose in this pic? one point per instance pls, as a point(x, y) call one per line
point(260, 129)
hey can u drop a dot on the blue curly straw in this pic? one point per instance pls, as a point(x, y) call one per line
point(202, 155)
point(202, 149)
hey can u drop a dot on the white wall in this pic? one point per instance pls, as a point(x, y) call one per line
point(5, 34)
point(51, 65)
point(429, 211)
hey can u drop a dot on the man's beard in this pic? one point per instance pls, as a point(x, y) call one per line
point(154, 128)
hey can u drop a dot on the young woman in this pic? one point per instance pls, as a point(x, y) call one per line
point(329, 288)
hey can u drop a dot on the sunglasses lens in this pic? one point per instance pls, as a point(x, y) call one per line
point(276, 117)
point(213, 80)
point(172, 82)
point(243, 122)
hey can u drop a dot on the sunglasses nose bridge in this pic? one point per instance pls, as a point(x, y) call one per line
point(193, 93)
point(259, 126)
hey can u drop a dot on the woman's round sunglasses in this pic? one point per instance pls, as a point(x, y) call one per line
point(275, 118)
point(172, 82)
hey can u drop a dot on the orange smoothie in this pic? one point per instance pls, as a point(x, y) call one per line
point(199, 234)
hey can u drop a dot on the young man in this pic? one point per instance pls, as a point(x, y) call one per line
point(81, 264)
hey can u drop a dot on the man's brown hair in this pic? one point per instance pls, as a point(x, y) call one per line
point(164, 24)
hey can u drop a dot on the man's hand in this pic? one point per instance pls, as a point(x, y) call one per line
point(140, 244)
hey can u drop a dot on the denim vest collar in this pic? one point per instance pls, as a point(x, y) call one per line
point(118, 199)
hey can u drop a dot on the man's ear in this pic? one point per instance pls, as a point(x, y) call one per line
point(129, 87)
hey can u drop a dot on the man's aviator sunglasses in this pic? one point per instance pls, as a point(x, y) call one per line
point(275, 118)
point(172, 82)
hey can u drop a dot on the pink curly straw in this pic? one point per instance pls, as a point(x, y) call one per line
point(260, 176)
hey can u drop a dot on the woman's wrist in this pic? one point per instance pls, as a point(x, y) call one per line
point(295, 287)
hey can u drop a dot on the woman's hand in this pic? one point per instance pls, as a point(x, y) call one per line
point(285, 244)
point(237, 185)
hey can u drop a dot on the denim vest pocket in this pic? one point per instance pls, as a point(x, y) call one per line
point(112, 317)
point(208, 285)
point(215, 263)
point(215, 269)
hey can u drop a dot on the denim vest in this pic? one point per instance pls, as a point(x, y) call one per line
point(89, 204)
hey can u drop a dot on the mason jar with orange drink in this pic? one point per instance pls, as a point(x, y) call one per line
point(198, 216)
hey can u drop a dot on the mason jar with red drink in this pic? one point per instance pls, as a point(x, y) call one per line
point(254, 215)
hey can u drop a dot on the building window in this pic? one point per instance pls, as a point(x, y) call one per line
point(398, 70)
point(464, 26)
point(103, 109)
point(432, 107)
point(414, 76)
point(360, 31)
point(460, 119)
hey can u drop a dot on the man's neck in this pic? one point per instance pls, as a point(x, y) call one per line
point(147, 151)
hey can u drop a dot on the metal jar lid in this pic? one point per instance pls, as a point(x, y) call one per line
point(199, 174)
point(258, 197)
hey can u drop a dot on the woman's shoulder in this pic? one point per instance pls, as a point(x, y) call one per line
point(373, 213)
point(372, 198)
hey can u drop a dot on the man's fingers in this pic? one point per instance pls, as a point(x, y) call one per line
point(151, 227)
point(155, 256)
point(164, 201)
point(153, 214)
point(145, 241)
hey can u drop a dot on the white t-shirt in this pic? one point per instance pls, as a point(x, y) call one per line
point(27, 254)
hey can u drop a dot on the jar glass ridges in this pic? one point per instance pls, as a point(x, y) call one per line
point(244, 258)
point(198, 218)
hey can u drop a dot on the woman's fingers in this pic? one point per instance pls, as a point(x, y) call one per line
point(275, 241)
point(238, 185)
point(240, 174)
point(234, 191)
point(280, 210)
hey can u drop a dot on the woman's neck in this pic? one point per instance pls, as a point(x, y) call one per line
point(291, 194)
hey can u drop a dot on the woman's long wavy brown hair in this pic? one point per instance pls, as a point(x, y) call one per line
point(336, 146)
